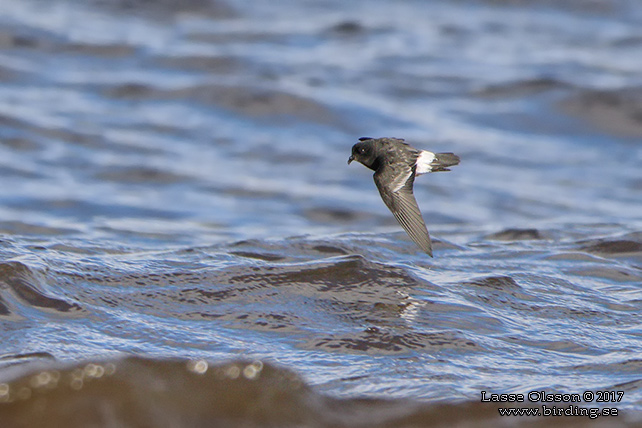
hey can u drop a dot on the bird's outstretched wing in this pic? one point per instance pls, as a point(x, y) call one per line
point(395, 186)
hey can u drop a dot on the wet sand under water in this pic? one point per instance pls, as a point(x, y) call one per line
point(143, 392)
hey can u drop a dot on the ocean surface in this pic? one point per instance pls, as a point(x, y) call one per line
point(182, 243)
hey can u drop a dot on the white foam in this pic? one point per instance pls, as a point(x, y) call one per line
point(424, 162)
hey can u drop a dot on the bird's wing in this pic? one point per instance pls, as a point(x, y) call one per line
point(395, 186)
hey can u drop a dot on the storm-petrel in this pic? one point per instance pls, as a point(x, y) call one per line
point(396, 164)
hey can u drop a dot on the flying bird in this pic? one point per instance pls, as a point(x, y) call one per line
point(396, 164)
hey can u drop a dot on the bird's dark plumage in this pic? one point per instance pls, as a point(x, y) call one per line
point(396, 164)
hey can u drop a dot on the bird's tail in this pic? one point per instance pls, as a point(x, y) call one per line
point(442, 161)
point(434, 162)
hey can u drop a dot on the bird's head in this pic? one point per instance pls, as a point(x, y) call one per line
point(365, 153)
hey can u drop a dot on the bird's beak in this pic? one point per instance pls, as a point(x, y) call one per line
point(350, 159)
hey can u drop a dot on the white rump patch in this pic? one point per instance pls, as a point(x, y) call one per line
point(424, 162)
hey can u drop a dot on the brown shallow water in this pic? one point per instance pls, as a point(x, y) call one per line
point(175, 207)
point(169, 393)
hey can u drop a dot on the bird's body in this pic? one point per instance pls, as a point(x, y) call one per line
point(396, 164)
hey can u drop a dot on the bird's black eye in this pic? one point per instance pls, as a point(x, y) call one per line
point(362, 150)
